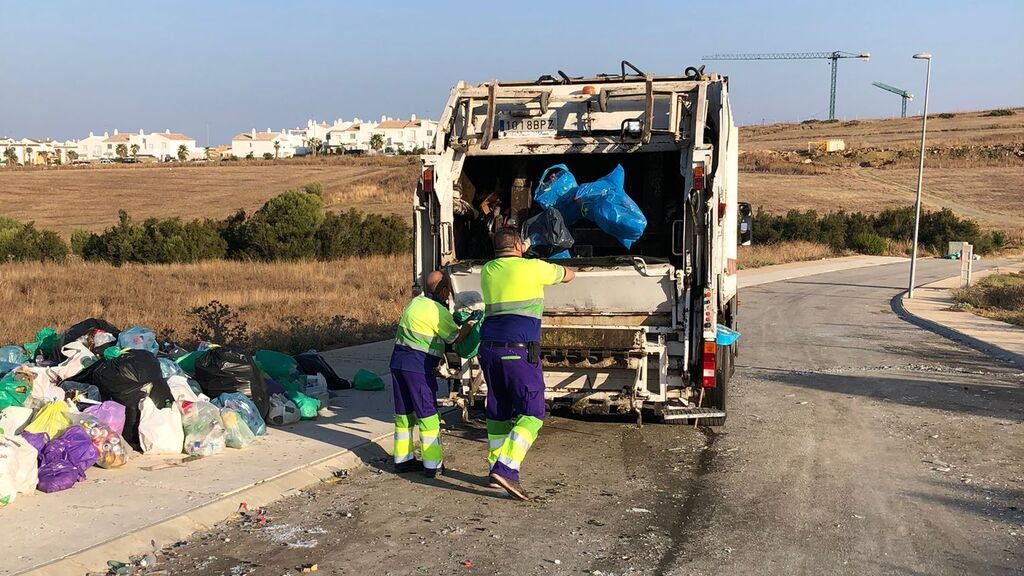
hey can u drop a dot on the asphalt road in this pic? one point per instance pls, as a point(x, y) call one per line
point(856, 443)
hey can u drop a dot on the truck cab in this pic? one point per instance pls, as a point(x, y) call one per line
point(637, 330)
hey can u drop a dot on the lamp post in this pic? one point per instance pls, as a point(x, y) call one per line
point(920, 172)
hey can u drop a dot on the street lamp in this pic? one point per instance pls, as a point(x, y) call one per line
point(920, 171)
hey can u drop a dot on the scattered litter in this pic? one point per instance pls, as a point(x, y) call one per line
point(317, 530)
point(309, 568)
point(639, 510)
point(556, 562)
point(858, 516)
point(467, 563)
point(802, 402)
point(303, 544)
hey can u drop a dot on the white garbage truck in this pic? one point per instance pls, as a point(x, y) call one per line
point(637, 331)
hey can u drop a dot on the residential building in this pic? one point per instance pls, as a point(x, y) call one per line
point(406, 135)
point(165, 145)
point(349, 136)
point(277, 144)
point(91, 147)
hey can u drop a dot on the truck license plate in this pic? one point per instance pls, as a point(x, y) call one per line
point(546, 125)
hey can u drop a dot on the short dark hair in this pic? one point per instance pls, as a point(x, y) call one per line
point(505, 239)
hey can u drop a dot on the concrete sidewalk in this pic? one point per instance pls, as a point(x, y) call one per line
point(780, 272)
point(117, 513)
point(933, 308)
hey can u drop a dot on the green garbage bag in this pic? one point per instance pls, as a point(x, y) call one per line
point(188, 362)
point(366, 380)
point(111, 353)
point(470, 345)
point(281, 367)
point(307, 405)
point(15, 388)
point(46, 343)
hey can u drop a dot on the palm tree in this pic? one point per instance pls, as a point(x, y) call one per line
point(182, 153)
point(207, 150)
point(121, 150)
point(314, 145)
point(277, 148)
point(28, 156)
point(377, 142)
point(72, 155)
point(135, 149)
point(10, 156)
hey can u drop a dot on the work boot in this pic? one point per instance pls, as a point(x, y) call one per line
point(513, 487)
point(408, 466)
point(433, 472)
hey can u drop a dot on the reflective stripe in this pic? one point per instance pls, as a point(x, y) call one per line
point(403, 458)
point(427, 441)
point(403, 434)
point(513, 464)
point(432, 464)
point(418, 341)
point(521, 440)
point(532, 308)
point(496, 442)
point(511, 357)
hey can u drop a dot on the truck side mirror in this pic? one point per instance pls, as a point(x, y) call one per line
point(746, 224)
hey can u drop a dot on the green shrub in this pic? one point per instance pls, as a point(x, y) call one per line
point(79, 239)
point(314, 188)
point(24, 243)
point(1001, 112)
point(268, 156)
point(284, 228)
point(869, 243)
point(351, 234)
point(947, 115)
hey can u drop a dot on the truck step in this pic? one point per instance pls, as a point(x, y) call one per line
point(676, 414)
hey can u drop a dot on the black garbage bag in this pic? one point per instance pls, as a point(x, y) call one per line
point(86, 327)
point(127, 380)
point(231, 369)
point(312, 363)
point(547, 233)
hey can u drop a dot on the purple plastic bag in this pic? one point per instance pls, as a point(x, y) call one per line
point(110, 413)
point(38, 441)
point(73, 446)
point(58, 475)
point(272, 386)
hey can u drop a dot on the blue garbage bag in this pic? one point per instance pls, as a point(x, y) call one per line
point(245, 408)
point(557, 186)
point(606, 203)
point(10, 358)
point(138, 338)
point(725, 336)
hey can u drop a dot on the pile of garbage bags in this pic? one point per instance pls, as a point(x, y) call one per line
point(565, 202)
point(96, 396)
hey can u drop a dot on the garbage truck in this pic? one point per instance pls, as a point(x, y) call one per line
point(639, 330)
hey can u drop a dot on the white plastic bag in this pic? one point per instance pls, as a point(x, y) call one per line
point(160, 431)
point(19, 470)
point(13, 419)
point(283, 411)
point(182, 390)
point(316, 387)
point(78, 357)
point(44, 388)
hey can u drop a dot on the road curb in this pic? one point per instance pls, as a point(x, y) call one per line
point(204, 516)
point(988, 348)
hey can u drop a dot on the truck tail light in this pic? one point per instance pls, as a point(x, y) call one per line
point(698, 177)
point(709, 365)
point(428, 180)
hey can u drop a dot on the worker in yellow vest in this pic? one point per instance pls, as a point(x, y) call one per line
point(425, 328)
point(513, 291)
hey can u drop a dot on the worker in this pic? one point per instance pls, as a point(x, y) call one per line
point(513, 291)
point(424, 329)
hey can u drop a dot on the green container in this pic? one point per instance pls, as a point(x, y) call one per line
point(366, 380)
point(470, 345)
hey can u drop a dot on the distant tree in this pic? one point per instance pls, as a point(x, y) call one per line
point(207, 151)
point(182, 153)
point(28, 156)
point(121, 150)
point(314, 145)
point(268, 156)
point(135, 149)
point(377, 142)
point(45, 155)
point(10, 156)
point(249, 156)
point(72, 155)
point(277, 148)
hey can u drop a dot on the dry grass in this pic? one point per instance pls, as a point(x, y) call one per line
point(88, 197)
point(769, 254)
point(998, 296)
point(372, 291)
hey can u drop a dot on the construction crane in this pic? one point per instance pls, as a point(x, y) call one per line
point(834, 56)
point(906, 96)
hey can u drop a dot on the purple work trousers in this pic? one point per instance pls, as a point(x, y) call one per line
point(515, 388)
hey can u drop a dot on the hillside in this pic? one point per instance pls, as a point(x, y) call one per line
point(974, 166)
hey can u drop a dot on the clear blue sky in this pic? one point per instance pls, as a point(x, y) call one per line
point(70, 67)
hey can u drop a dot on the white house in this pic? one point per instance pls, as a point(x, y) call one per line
point(91, 147)
point(349, 136)
point(258, 144)
point(166, 144)
point(406, 135)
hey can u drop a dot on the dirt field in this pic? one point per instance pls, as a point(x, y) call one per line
point(88, 197)
point(371, 291)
